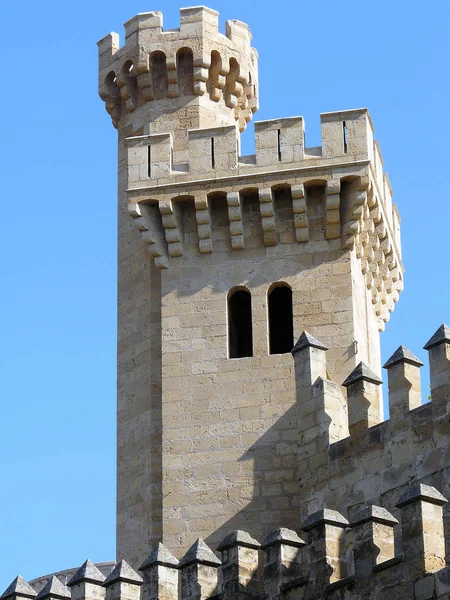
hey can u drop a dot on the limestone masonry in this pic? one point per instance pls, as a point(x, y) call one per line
point(233, 437)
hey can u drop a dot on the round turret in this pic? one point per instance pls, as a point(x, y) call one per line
point(171, 80)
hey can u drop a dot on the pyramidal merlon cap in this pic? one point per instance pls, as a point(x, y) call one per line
point(54, 589)
point(159, 556)
point(123, 572)
point(200, 553)
point(87, 572)
point(441, 335)
point(238, 538)
point(306, 340)
point(18, 587)
point(362, 373)
point(284, 536)
point(402, 354)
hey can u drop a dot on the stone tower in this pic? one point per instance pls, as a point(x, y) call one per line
point(223, 261)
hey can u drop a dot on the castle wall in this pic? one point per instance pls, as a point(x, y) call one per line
point(230, 425)
point(138, 386)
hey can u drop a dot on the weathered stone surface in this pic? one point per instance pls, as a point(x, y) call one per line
point(18, 587)
point(53, 589)
point(123, 572)
point(238, 538)
point(442, 335)
point(159, 556)
point(306, 340)
point(87, 572)
point(361, 373)
point(283, 536)
point(402, 354)
point(420, 491)
point(199, 553)
point(376, 514)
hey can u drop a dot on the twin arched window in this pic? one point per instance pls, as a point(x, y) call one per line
point(280, 321)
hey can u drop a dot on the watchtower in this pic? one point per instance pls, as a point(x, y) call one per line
point(225, 260)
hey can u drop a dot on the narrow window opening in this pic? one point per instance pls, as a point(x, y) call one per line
point(149, 161)
point(344, 130)
point(279, 145)
point(213, 157)
point(281, 326)
point(240, 335)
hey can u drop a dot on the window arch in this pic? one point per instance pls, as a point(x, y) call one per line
point(281, 325)
point(185, 68)
point(240, 330)
point(158, 69)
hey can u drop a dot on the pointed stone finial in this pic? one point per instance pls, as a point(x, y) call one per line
point(402, 355)
point(284, 536)
point(238, 538)
point(19, 588)
point(423, 532)
point(372, 545)
point(363, 400)
point(160, 574)
point(306, 340)
point(240, 565)
point(123, 572)
point(325, 516)
point(53, 589)
point(327, 536)
point(282, 561)
point(362, 373)
point(375, 514)
point(441, 335)
point(87, 572)
point(199, 570)
point(159, 556)
point(420, 491)
point(201, 554)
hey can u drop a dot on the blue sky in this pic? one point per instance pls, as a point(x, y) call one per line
point(58, 238)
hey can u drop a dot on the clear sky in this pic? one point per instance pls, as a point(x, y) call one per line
point(58, 238)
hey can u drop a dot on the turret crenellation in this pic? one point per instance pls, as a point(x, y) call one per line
point(156, 67)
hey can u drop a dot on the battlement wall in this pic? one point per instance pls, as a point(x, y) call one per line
point(372, 556)
point(354, 459)
point(194, 60)
point(325, 198)
point(347, 139)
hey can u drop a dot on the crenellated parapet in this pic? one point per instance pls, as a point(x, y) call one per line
point(373, 555)
point(156, 67)
point(348, 455)
point(338, 191)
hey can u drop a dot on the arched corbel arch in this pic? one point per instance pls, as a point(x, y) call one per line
point(185, 72)
point(158, 70)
